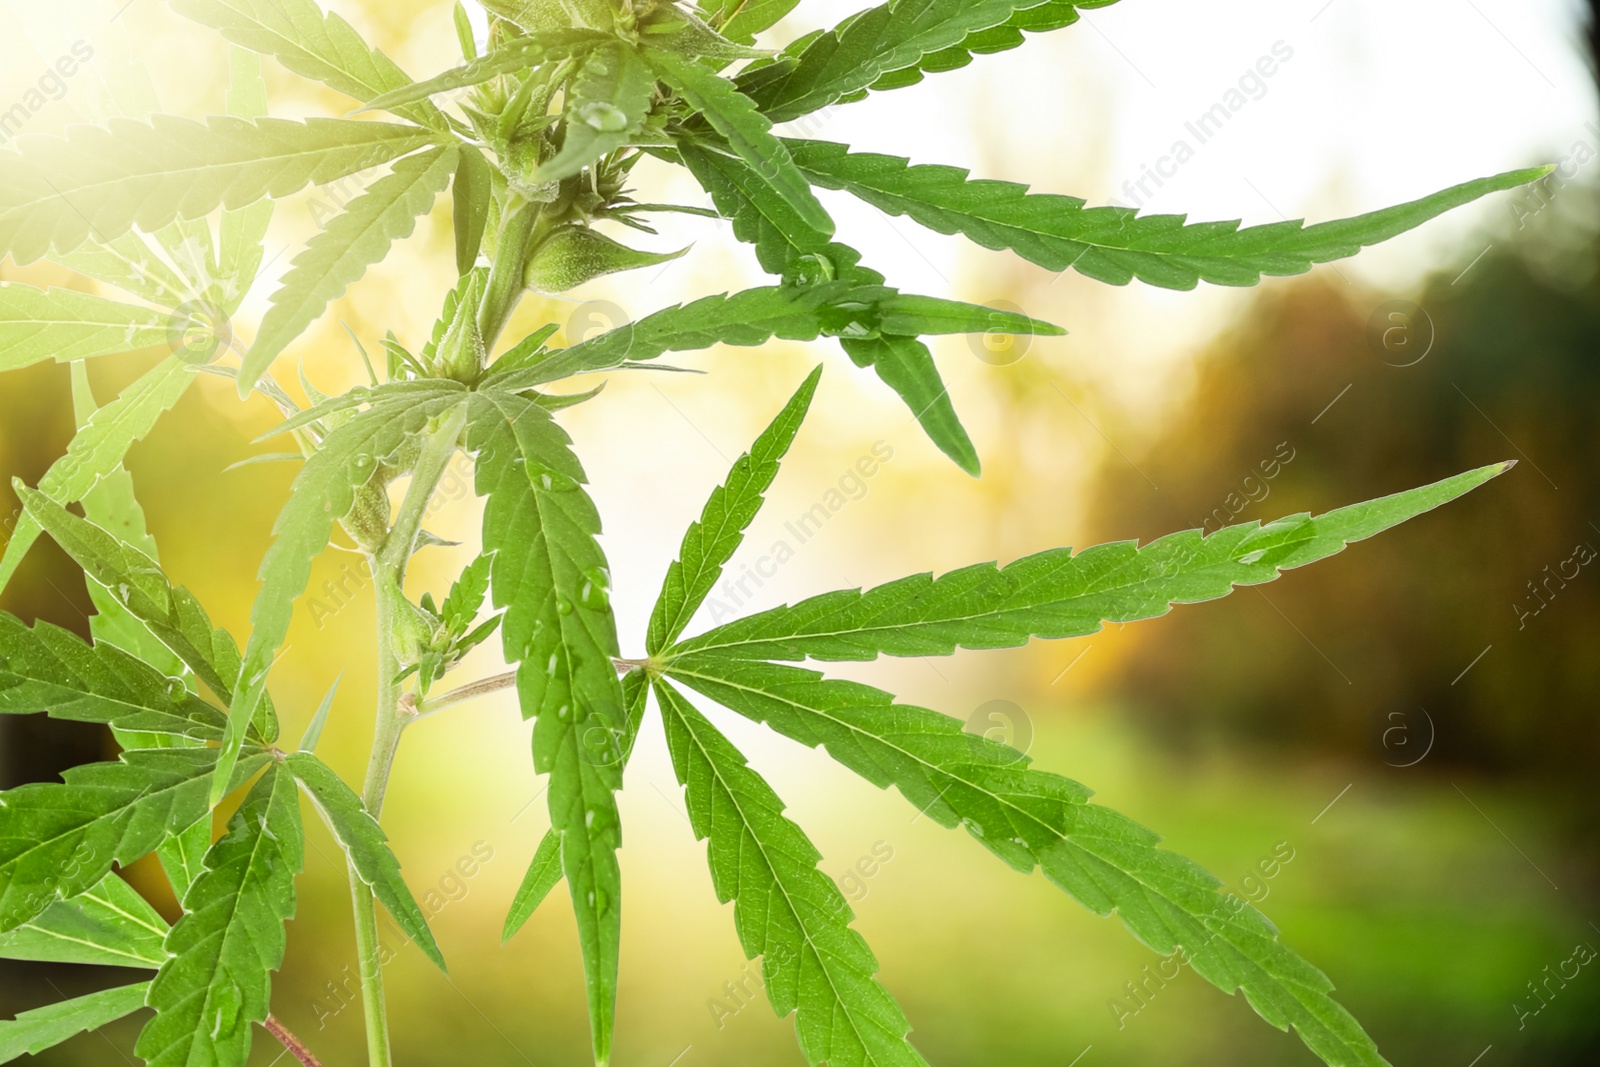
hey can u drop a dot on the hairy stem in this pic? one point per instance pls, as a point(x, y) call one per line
point(294, 1045)
point(499, 683)
point(389, 572)
point(445, 701)
point(504, 291)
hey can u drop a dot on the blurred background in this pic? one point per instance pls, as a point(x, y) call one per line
point(1411, 722)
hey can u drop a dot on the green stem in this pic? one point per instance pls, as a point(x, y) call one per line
point(393, 712)
point(386, 738)
point(506, 277)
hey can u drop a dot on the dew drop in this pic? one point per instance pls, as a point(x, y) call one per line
point(588, 819)
point(564, 712)
point(226, 1002)
point(603, 117)
point(564, 606)
point(813, 269)
point(599, 901)
point(1252, 557)
point(556, 482)
point(124, 592)
point(595, 592)
point(176, 691)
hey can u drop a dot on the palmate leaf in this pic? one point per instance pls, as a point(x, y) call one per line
point(351, 457)
point(747, 131)
point(1113, 244)
point(826, 68)
point(787, 912)
point(110, 925)
point(50, 670)
point(367, 846)
point(1058, 594)
point(171, 613)
point(63, 325)
point(218, 983)
point(34, 1031)
point(747, 319)
point(785, 245)
point(550, 576)
point(1039, 18)
point(338, 256)
point(604, 744)
point(312, 43)
point(732, 506)
point(100, 182)
point(59, 839)
point(606, 106)
point(1034, 819)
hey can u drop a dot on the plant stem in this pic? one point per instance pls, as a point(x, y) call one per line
point(296, 1047)
point(504, 291)
point(497, 684)
point(389, 572)
point(477, 689)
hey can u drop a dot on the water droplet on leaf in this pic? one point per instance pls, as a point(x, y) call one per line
point(594, 593)
point(226, 1002)
point(556, 482)
point(604, 117)
point(813, 269)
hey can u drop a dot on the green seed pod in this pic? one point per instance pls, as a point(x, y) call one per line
point(573, 255)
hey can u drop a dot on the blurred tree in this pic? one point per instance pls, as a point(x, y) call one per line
point(1473, 631)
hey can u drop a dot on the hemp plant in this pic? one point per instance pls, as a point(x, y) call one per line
point(535, 136)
